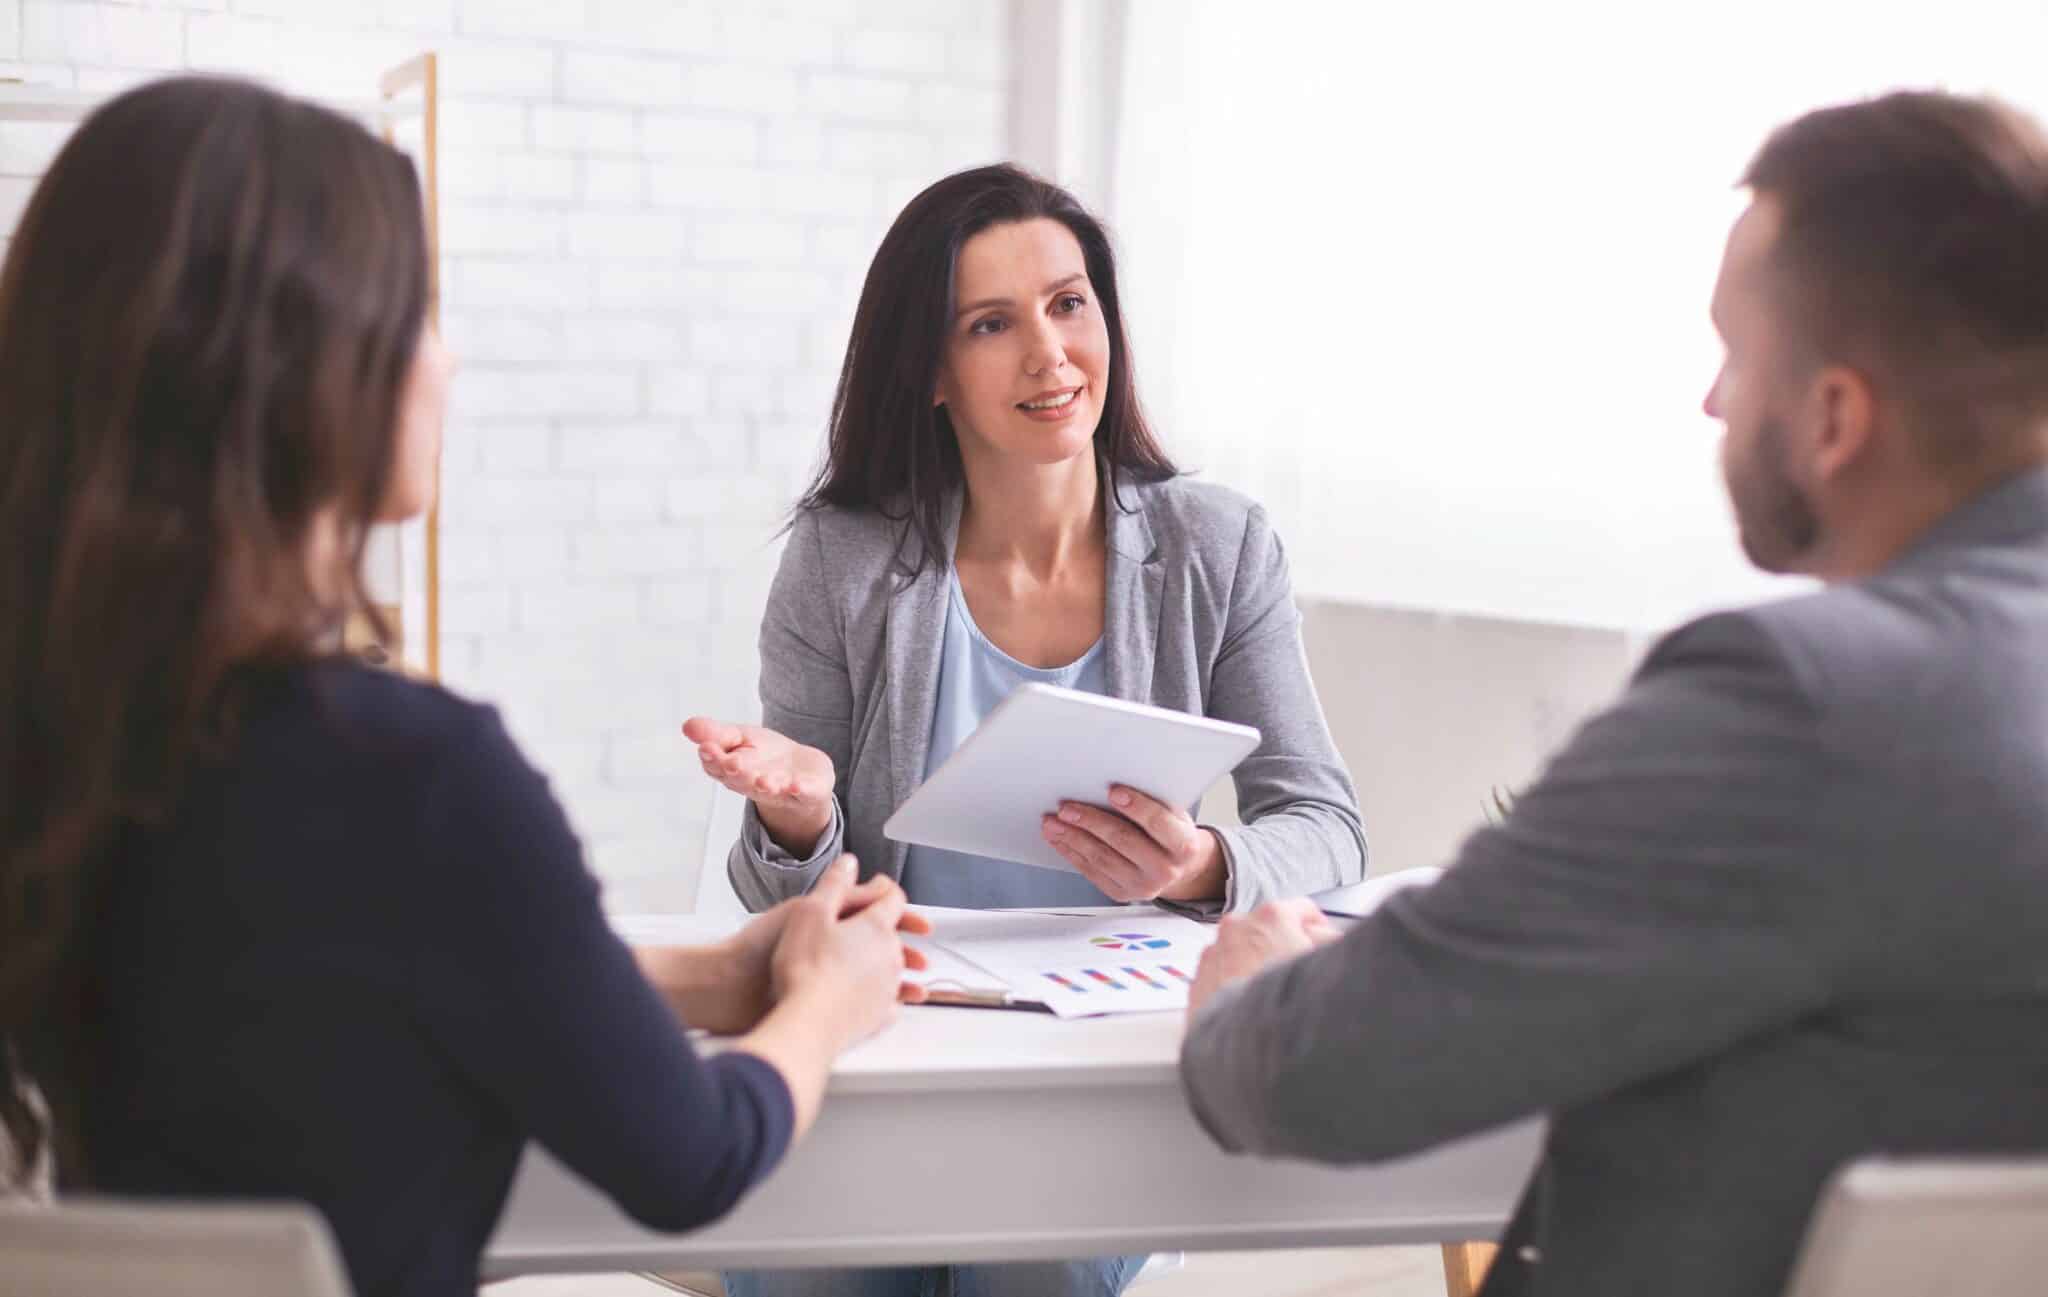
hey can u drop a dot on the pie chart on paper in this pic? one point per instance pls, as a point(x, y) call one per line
point(1137, 941)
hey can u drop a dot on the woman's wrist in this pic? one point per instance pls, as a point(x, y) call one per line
point(699, 982)
point(1209, 881)
point(819, 1009)
point(796, 829)
point(800, 1038)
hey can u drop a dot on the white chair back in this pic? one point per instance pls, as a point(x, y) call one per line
point(1907, 1228)
point(131, 1249)
point(1159, 1266)
point(715, 897)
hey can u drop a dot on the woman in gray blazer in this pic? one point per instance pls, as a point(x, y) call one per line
point(994, 510)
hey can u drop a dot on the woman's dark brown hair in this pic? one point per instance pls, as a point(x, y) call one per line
point(207, 318)
point(892, 450)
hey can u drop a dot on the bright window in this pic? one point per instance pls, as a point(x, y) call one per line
point(1431, 281)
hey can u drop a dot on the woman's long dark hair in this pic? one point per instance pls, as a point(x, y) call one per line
point(893, 451)
point(207, 318)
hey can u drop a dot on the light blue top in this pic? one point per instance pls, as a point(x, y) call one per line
point(975, 675)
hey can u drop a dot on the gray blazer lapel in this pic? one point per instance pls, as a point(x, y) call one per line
point(916, 633)
point(1136, 584)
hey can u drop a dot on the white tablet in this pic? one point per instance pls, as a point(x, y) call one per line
point(1044, 745)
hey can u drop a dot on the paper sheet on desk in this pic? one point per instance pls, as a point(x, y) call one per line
point(1131, 961)
point(1076, 965)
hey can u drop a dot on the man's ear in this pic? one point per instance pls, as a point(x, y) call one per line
point(1844, 419)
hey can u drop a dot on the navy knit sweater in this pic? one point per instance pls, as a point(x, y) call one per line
point(364, 965)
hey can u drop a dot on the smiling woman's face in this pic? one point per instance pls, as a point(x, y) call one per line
point(1026, 362)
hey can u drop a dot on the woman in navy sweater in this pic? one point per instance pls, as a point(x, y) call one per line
point(273, 925)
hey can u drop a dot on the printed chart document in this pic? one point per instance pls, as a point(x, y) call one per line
point(1076, 965)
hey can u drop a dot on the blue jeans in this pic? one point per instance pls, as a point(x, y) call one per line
point(1100, 1277)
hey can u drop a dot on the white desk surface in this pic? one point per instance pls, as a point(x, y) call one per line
point(943, 1048)
point(940, 1048)
point(986, 1134)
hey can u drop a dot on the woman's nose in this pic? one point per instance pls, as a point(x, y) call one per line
point(1046, 355)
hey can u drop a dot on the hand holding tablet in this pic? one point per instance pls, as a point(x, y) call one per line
point(1045, 747)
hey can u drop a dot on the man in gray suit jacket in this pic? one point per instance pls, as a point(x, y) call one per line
point(1785, 903)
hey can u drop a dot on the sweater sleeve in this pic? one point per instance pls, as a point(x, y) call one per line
point(1301, 830)
point(535, 1000)
point(805, 695)
point(1649, 902)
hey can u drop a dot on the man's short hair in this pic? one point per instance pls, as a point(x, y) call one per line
point(1914, 245)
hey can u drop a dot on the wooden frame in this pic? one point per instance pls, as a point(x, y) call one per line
point(422, 73)
point(1465, 1266)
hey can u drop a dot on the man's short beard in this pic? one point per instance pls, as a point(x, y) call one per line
point(1777, 522)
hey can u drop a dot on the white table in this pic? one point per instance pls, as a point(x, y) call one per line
point(989, 1135)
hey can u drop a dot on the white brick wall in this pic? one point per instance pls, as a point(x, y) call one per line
point(656, 217)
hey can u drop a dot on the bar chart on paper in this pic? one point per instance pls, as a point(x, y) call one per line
point(1078, 965)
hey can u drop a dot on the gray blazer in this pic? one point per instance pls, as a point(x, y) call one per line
point(1200, 617)
point(1783, 905)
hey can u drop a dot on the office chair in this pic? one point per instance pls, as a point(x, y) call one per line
point(110, 1248)
point(1904, 1228)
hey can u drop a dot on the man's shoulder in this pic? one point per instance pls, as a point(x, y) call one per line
point(1854, 640)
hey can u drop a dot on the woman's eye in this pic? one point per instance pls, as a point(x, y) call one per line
point(1071, 302)
point(989, 324)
